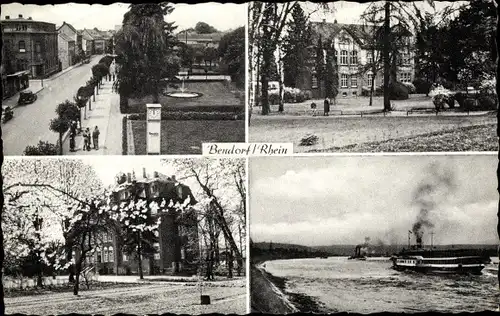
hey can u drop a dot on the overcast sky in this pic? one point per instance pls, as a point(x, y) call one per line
point(341, 200)
point(105, 17)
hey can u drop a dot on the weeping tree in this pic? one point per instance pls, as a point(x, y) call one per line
point(145, 49)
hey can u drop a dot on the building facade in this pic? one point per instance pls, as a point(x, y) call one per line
point(354, 51)
point(32, 45)
point(66, 48)
point(71, 34)
point(176, 243)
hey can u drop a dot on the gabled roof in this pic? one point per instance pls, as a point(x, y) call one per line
point(69, 25)
point(66, 37)
point(211, 37)
point(85, 35)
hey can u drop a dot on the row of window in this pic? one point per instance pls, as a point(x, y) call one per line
point(353, 82)
point(22, 46)
point(351, 58)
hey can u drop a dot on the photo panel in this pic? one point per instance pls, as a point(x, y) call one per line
point(122, 79)
point(134, 235)
point(376, 76)
point(370, 234)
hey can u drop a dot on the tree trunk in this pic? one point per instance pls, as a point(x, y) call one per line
point(60, 144)
point(77, 272)
point(139, 258)
point(257, 80)
point(372, 87)
point(266, 69)
point(281, 85)
point(386, 50)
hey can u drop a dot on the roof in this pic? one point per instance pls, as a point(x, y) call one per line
point(211, 37)
point(86, 35)
point(17, 20)
point(66, 37)
point(361, 33)
point(69, 25)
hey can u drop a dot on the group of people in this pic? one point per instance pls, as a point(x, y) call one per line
point(326, 107)
point(75, 130)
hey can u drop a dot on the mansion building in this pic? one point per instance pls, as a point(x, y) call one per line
point(176, 245)
point(352, 46)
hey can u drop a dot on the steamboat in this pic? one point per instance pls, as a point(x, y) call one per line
point(446, 261)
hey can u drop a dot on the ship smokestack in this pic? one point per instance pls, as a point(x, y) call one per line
point(419, 241)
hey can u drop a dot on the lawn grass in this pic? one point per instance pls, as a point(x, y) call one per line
point(186, 137)
point(471, 138)
point(339, 132)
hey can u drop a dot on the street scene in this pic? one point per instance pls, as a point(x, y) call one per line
point(76, 86)
point(374, 77)
point(138, 235)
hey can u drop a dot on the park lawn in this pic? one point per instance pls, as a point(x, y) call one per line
point(352, 104)
point(337, 132)
point(186, 137)
point(139, 299)
point(470, 138)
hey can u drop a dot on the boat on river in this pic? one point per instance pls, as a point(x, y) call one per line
point(447, 261)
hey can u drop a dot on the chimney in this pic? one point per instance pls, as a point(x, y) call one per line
point(144, 172)
point(129, 177)
point(173, 178)
point(324, 21)
point(335, 21)
point(20, 16)
point(419, 241)
point(7, 17)
point(155, 174)
point(30, 18)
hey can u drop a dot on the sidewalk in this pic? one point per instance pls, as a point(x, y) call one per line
point(12, 101)
point(104, 116)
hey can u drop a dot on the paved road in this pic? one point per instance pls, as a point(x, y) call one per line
point(31, 122)
point(158, 298)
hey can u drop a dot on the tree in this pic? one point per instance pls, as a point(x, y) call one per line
point(145, 33)
point(204, 28)
point(320, 65)
point(60, 126)
point(231, 51)
point(295, 44)
point(68, 111)
point(55, 190)
point(216, 180)
point(100, 71)
point(331, 72)
point(210, 55)
point(186, 56)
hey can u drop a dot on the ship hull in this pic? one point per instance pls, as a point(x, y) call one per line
point(475, 270)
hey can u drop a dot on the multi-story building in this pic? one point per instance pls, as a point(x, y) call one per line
point(85, 41)
point(176, 245)
point(353, 44)
point(100, 40)
point(69, 35)
point(66, 47)
point(33, 45)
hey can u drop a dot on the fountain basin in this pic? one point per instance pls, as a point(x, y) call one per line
point(183, 94)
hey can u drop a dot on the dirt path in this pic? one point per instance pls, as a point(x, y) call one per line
point(142, 299)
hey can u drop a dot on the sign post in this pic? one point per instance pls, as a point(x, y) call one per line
point(153, 129)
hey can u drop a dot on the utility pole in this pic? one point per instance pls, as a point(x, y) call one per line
point(432, 240)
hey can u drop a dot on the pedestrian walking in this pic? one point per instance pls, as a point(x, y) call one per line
point(85, 140)
point(326, 107)
point(88, 135)
point(72, 136)
point(95, 137)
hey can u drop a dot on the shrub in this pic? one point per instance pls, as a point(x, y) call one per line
point(487, 102)
point(273, 97)
point(42, 149)
point(106, 60)
point(441, 96)
point(422, 86)
point(186, 116)
point(398, 91)
point(488, 86)
point(460, 98)
point(410, 86)
point(469, 104)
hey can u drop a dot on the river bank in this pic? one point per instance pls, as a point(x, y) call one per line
point(268, 294)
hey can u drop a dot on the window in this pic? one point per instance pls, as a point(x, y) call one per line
point(343, 81)
point(354, 57)
point(354, 81)
point(38, 47)
point(343, 57)
point(22, 46)
point(405, 77)
point(369, 78)
point(157, 256)
point(111, 255)
point(21, 27)
point(369, 57)
point(125, 257)
point(105, 255)
point(405, 58)
point(314, 80)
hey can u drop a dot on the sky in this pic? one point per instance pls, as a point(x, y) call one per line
point(222, 16)
point(350, 12)
point(316, 201)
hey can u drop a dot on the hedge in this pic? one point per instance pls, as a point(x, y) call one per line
point(187, 116)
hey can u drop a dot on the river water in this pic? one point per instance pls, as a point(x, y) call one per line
point(342, 285)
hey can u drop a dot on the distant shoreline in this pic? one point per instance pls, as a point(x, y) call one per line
point(264, 298)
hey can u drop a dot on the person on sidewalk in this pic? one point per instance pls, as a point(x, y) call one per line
point(326, 107)
point(85, 143)
point(87, 136)
point(95, 137)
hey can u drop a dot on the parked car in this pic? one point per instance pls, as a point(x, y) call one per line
point(7, 114)
point(26, 97)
